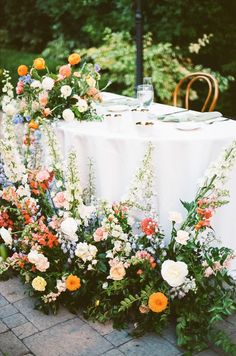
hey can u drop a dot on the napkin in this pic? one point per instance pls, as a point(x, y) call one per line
point(190, 116)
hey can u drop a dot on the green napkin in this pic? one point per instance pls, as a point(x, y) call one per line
point(189, 116)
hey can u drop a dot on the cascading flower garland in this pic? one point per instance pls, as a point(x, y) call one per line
point(100, 257)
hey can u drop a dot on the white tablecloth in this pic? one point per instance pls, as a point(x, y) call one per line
point(117, 146)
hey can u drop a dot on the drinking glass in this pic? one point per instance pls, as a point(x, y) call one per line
point(145, 95)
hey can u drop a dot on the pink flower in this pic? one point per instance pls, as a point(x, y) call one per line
point(60, 200)
point(65, 71)
point(55, 223)
point(20, 87)
point(43, 99)
point(100, 234)
point(77, 74)
point(47, 112)
point(43, 175)
point(208, 272)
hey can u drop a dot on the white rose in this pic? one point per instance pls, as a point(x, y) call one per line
point(82, 105)
point(175, 217)
point(117, 272)
point(85, 252)
point(182, 237)
point(66, 91)
point(36, 84)
point(68, 115)
point(39, 260)
point(173, 272)
point(6, 236)
point(69, 227)
point(47, 83)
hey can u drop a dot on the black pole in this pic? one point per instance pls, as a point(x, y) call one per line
point(139, 43)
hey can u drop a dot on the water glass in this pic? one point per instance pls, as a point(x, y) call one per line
point(145, 95)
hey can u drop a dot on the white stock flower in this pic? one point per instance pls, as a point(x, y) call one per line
point(82, 105)
point(10, 109)
point(47, 83)
point(6, 236)
point(182, 237)
point(174, 273)
point(85, 251)
point(175, 217)
point(68, 115)
point(66, 91)
point(85, 211)
point(69, 227)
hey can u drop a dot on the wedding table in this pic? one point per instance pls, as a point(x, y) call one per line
point(180, 158)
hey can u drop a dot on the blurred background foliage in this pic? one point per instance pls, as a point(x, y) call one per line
point(104, 31)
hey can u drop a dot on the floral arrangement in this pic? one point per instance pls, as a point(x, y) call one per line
point(44, 96)
point(113, 260)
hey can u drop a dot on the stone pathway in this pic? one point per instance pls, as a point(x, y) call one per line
point(25, 331)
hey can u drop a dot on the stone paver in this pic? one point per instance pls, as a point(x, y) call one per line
point(12, 290)
point(3, 327)
point(102, 329)
point(118, 338)
point(25, 330)
point(114, 352)
point(3, 301)
point(40, 320)
point(208, 353)
point(7, 310)
point(149, 345)
point(73, 337)
point(10, 345)
point(14, 320)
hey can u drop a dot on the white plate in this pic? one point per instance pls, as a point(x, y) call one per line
point(188, 126)
point(117, 108)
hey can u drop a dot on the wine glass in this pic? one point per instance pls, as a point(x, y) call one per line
point(145, 95)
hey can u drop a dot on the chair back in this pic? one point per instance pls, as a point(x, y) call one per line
point(190, 79)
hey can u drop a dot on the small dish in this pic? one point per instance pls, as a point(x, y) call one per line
point(117, 108)
point(188, 126)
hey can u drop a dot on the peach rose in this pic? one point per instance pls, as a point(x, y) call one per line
point(117, 272)
point(43, 175)
point(100, 234)
point(65, 71)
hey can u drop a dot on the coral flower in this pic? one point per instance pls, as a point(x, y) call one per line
point(149, 226)
point(33, 125)
point(74, 58)
point(157, 302)
point(65, 71)
point(73, 283)
point(39, 64)
point(22, 70)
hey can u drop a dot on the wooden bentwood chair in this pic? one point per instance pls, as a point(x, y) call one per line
point(213, 90)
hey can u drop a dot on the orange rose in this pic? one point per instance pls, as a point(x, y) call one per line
point(33, 125)
point(39, 64)
point(74, 58)
point(73, 283)
point(22, 70)
point(157, 302)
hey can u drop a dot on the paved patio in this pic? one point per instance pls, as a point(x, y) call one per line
point(25, 331)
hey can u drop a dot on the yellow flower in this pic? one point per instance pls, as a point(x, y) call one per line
point(74, 58)
point(157, 302)
point(97, 302)
point(22, 70)
point(39, 64)
point(90, 81)
point(39, 284)
point(73, 283)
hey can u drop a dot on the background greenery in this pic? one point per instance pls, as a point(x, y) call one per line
point(30, 26)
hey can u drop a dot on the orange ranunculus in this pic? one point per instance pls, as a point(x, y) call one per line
point(65, 71)
point(157, 302)
point(22, 70)
point(33, 125)
point(39, 64)
point(74, 58)
point(73, 283)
